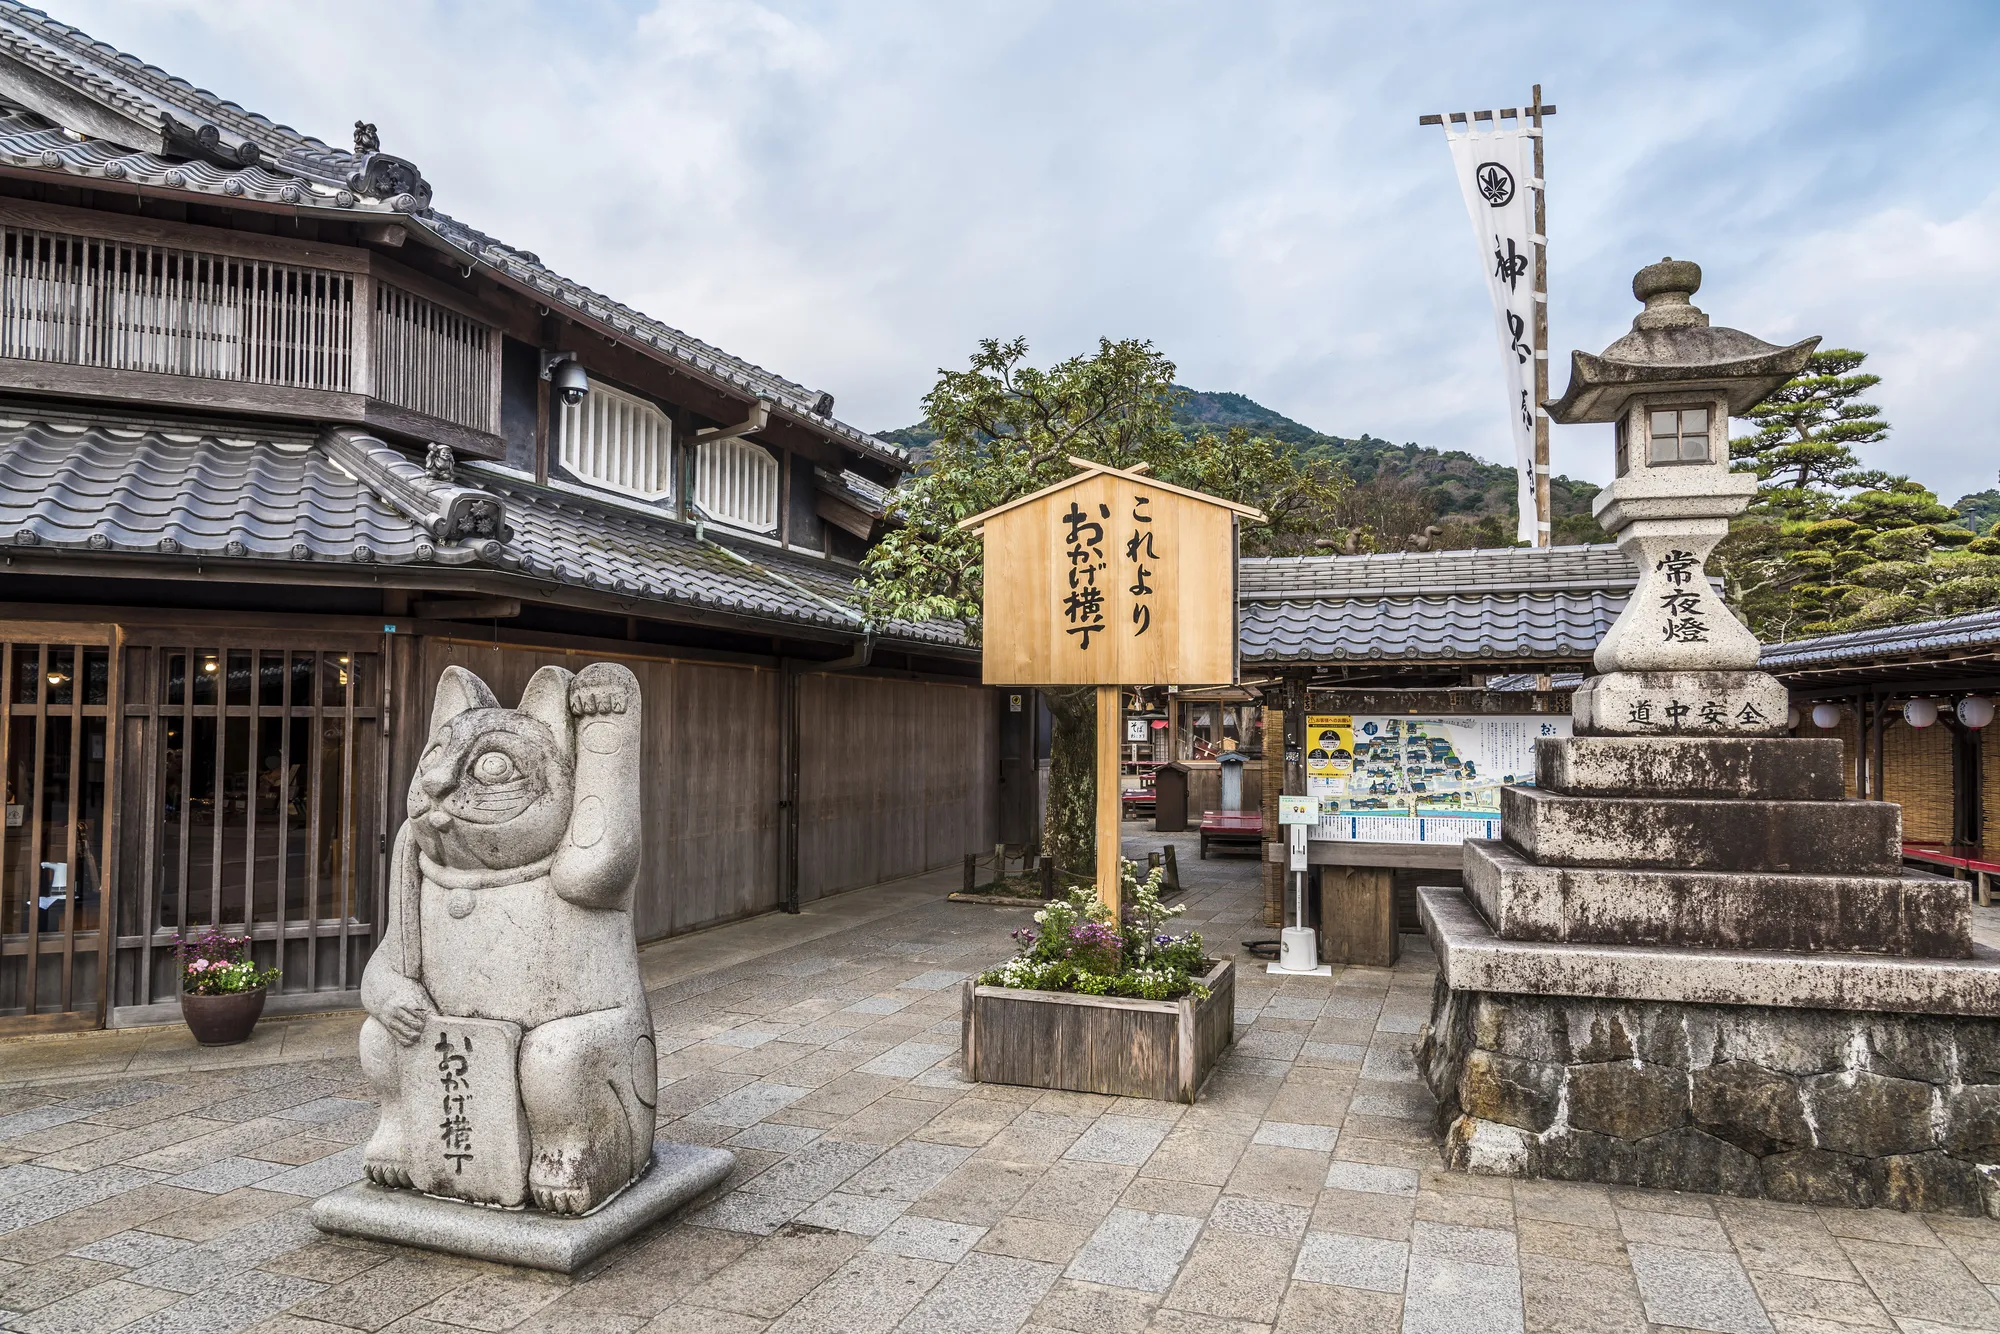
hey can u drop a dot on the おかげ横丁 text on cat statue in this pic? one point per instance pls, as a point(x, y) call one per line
point(507, 1030)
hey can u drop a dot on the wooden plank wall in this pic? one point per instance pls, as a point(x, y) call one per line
point(895, 777)
point(712, 776)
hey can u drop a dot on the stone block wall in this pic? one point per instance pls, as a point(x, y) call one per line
point(1804, 1106)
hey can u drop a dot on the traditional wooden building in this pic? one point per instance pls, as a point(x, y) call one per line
point(1487, 635)
point(279, 440)
point(1913, 706)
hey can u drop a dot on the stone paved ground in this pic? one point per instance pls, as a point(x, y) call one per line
point(148, 1186)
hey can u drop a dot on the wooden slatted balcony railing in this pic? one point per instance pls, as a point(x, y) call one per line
point(102, 306)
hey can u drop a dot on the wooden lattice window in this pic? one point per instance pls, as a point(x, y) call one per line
point(736, 482)
point(620, 441)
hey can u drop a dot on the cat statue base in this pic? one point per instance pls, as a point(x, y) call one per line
point(508, 1033)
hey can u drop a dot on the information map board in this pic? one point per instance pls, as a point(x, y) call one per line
point(1384, 778)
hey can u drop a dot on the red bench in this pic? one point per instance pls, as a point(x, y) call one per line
point(1235, 828)
point(1980, 863)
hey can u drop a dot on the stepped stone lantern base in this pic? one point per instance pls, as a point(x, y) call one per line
point(1688, 962)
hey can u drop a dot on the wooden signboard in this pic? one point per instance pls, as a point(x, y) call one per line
point(1110, 578)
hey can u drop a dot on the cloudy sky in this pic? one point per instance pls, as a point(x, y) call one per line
point(853, 192)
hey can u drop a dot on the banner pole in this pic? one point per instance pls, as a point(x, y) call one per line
point(1109, 856)
point(1543, 534)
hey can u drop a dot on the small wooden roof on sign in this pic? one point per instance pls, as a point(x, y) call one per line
point(1090, 468)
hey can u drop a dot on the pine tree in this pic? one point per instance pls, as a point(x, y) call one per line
point(1803, 450)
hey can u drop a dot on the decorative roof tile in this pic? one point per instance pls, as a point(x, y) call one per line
point(1551, 604)
point(1974, 633)
point(183, 493)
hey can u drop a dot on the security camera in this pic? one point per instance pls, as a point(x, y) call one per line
point(566, 376)
point(571, 382)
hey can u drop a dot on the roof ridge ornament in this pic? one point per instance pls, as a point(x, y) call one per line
point(379, 175)
point(447, 511)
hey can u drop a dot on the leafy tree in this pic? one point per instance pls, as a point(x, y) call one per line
point(1003, 429)
point(1803, 449)
point(1886, 555)
point(1807, 559)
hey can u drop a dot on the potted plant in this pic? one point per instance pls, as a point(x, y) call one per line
point(222, 991)
point(1131, 1010)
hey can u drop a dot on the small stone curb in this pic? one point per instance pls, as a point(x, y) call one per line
point(1004, 901)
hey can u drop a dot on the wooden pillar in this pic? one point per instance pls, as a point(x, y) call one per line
point(1108, 813)
point(1543, 535)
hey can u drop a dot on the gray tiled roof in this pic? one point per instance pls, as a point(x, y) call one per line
point(177, 494)
point(306, 173)
point(1975, 631)
point(1512, 605)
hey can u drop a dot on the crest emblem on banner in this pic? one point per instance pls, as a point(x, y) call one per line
point(1496, 183)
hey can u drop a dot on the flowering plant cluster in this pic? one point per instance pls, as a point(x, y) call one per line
point(1073, 947)
point(219, 965)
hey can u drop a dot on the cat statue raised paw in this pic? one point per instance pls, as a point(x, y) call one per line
point(507, 1031)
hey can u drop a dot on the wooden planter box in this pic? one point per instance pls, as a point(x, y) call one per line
point(1099, 1044)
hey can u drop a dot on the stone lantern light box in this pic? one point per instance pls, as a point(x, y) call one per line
point(1668, 388)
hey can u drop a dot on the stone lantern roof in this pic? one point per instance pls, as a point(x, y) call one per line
point(1673, 347)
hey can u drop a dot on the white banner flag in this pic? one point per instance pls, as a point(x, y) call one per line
point(1495, 172)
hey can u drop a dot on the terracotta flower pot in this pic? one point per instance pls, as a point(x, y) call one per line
point(222, 1021)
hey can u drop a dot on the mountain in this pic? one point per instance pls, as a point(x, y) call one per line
point(1979, 511)
point(1399, 489)
point(1470, 498)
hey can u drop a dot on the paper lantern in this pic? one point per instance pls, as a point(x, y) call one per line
point(1791, 718)
point(1920, 712)
point(1975, 710)
point(1826, 715)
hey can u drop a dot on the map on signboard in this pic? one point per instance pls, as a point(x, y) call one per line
point(1386, 765)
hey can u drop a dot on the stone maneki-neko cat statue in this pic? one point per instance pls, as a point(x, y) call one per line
point(507, 1031)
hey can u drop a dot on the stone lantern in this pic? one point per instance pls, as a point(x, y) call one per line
point(1689, 961)
point(1668, 388)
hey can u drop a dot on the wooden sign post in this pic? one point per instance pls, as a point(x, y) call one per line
point(1105, 579)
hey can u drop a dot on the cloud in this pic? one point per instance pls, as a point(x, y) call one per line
point(854, 191)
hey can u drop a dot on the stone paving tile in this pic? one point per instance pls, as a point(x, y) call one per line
point(1353, 1262)
point(778, 1138)
point(863, 1215)
point(983, 1294)
point(748, 1105)
point(1699, 1289)
point(908, 1058)
point(918, 1238)
point(1290, 1135)
point(133, 1250)
point(1371, 1178)
point(1234, 1276)
point(1447, 1296)
point(1125, 1140)
point(1131, 1249)
point(870, 1294)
